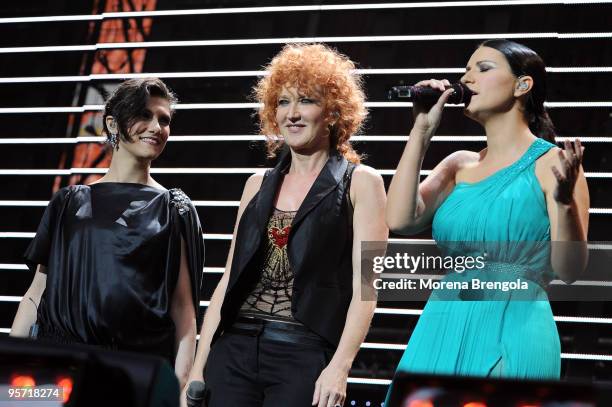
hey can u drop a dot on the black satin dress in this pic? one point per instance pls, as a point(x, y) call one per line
point(112, 252)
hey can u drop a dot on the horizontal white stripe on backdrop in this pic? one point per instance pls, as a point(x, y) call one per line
point(215, 106)
point(213, 204)
point(221, 270)
point(256, 137)
point(309, 8)
point(279, 41)
point(405, 311)
point(195, 170)
point(226, 74)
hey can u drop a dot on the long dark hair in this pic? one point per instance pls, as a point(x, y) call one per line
point(524, 61)
point(128, 103)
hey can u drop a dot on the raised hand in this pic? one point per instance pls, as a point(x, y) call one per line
point(426, 121)
point(571, 160)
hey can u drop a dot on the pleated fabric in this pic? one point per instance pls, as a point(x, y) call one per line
point(492, 333)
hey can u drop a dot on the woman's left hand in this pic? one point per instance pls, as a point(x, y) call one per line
point(571, 160)
point(330, 387)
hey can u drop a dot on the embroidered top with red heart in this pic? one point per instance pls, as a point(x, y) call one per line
point(279, 237)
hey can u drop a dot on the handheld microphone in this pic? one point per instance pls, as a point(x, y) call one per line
point(428, 97)
point(195, 394)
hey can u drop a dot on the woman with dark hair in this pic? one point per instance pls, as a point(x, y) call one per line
point(118, 263)
point(287, 318)
point(520, 188)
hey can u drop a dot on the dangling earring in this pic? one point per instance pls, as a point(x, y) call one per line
point(113, 140)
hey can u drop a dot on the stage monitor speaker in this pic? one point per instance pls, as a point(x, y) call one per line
point(80, 375)
point(413, 390)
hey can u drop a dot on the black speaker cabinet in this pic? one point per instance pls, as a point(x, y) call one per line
point(34, 371)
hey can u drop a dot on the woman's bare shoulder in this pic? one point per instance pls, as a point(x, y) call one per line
point(251, 186)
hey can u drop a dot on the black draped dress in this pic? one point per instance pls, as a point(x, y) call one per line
point(112, 252)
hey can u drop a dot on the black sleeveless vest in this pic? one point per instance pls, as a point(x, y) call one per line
point(319, 249)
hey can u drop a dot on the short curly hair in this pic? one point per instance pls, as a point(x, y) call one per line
point(314, 69)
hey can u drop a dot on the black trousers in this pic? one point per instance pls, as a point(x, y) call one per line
point(265, 365)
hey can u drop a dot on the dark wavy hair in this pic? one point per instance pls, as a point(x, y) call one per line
point(128, 103)
point(525, 61)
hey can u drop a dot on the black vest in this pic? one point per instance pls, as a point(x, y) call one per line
point(319, 249)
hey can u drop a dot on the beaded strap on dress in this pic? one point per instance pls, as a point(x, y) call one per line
point(538, 148)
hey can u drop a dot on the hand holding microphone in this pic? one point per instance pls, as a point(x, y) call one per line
point(427, 93)
point(429, 98)
point(195, 394)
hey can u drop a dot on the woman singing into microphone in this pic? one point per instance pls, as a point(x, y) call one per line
point(118, 263)
point(287, 317)
point(520, 188)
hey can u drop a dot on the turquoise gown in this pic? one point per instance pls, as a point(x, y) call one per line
point(499, 334)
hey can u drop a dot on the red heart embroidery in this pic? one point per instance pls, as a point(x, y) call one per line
point(279, 236)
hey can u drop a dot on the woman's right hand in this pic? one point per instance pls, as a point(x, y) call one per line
point(197, 393)
point(426, 121)
point(194, 376)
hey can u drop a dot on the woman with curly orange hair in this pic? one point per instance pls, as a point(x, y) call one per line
point(287, 319)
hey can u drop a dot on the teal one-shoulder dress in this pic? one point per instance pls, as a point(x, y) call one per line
point(493, 334)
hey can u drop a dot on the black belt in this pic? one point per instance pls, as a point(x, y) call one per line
point(277, 331)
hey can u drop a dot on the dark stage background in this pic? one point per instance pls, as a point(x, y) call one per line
point(214, 147)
